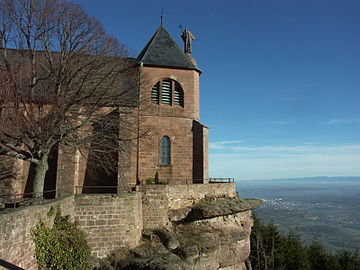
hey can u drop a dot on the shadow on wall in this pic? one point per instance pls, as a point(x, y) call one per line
point(198, 152)
point(7, 175)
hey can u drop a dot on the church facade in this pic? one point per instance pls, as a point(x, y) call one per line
point(173, 150)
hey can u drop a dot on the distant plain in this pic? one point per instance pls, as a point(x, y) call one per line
point(323, 207)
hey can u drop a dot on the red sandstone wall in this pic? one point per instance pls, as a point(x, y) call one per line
point(67, 169)
point(13, 175)
point(168, 120)
point(16, 244)
point(179, 130)
point(188, 79)
point(183, 196)
point(7, 175)
point(109, 221)
point(155, 209)
point(158, 199)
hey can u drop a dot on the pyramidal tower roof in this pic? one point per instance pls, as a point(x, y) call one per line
point(163, 51)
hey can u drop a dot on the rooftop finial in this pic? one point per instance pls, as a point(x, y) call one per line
point(162, 16)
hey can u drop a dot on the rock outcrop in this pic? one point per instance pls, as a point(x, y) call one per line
point(212, 234)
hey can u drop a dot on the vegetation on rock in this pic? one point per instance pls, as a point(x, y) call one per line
point(155, 181)
point(61, 247)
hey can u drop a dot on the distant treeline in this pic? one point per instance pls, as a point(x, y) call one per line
point(272, 250)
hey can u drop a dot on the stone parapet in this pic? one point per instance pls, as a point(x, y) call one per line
point(158, 200)
point(181, 196)
point(16, 242)
point(109, 221)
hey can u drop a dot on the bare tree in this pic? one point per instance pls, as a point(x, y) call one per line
point(60, 74)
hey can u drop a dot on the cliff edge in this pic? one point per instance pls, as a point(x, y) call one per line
point(214, 233)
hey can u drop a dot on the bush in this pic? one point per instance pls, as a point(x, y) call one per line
point(61, 247)
point(155, 181)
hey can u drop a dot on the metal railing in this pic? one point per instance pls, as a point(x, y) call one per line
point(9, 265)
point(95, 189)
point(200, 181)
point(16, 200)
point(221, 180)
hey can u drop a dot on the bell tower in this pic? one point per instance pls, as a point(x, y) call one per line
point(175, 150)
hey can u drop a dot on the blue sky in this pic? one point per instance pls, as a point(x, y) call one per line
point(280, 90)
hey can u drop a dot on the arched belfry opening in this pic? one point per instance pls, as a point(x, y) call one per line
point(168, 92)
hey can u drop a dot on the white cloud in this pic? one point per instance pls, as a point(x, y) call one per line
point(285, 122)
point(223, 144)
point(336, 121)
point(272, 161)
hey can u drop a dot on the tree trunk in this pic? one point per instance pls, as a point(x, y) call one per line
point(248, 264)
point(39, 179)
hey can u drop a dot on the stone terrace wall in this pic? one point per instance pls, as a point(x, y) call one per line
point(181, 196)
point(155, 206)
point(109, 221)
point(159, 199)
point(16, 243)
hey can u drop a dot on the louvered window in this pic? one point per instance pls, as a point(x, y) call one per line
point(155, 93)
point(165, 150)
point(166, 92)
point(178, 95)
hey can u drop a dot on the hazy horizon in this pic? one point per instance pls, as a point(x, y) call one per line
point(318, 177)
point(318, 206)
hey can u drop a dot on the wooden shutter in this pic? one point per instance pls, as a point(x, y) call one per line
point(166, 92)
point(155, 93)
point(178, 95)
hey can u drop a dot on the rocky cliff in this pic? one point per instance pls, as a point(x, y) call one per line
point(214, 233)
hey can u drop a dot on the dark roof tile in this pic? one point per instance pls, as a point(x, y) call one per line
point(163, 51)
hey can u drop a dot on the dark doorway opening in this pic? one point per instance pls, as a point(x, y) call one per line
point(101, 175)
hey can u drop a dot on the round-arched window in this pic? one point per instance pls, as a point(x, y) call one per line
point(165, 150)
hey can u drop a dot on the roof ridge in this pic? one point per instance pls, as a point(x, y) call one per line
point(147, 46)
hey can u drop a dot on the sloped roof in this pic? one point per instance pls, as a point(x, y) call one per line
point(163, 51)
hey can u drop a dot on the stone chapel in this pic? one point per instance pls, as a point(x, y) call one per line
point(175, 149)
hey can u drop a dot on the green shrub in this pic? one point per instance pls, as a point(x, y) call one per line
point(151, 181)
point(61, 247)
point(155, 181)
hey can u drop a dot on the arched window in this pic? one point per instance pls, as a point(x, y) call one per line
point(168, 92)
point(165, 150)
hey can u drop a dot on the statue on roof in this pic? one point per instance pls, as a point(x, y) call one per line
point(187, 37)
